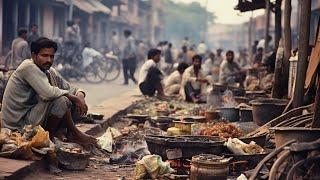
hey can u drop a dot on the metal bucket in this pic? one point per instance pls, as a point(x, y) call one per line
point(231, 114)
point(300, 134)
point(246, 115)
point(203, 167)
point(266, 109)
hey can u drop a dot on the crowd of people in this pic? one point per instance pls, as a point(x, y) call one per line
point(189, 72)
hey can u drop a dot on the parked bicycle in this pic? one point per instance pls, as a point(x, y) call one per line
point(71, 66)
point(113, 67)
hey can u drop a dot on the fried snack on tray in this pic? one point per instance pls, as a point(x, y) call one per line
point(223, 130)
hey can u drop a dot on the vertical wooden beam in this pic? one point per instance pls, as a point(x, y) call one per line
point(304, 33)
point(15, 17)
point(267, 25)
point(287, 29)
point(316, 117)
point(277, 30)
point(1, 26)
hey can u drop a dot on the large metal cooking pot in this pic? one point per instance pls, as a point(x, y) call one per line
point(230, 114)
point(266, 109)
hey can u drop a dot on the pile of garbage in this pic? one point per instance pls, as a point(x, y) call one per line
point(31, 144)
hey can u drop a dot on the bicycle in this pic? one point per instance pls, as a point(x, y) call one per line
point(70, 66)
point(113, 67)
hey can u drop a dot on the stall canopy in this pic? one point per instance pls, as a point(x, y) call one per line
point(88, 6)
point(250, 5)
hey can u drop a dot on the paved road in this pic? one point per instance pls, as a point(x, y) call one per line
point(98, 93)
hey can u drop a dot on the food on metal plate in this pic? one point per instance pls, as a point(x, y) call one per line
point(223, 130)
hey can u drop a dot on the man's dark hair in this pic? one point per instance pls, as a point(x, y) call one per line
point(230, 52)
point(153, 52)
point(87, 44)
point(260, 49)
point(196, 57)
point(22, 31)
point(42, 43)
point(70, 23)
point(34, 25)
point(182, 67)
point(127, 32)
point(170, 45)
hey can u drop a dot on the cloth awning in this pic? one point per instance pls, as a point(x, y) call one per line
point(100, 7)
point(250, 5)
point(88, 6)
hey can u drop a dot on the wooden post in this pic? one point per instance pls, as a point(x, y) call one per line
point(287, 29)
point(282, 65)
point(266, 35)
point(277, 30)
point(316, 117)
point(303, 46)
point(277, 89)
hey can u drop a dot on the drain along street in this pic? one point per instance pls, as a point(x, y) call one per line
point(160, 89)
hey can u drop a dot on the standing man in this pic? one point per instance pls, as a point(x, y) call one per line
point(202, 49)
point(115, 46)
point(20, 49)
point(33, 34)
point(150, 76)
point(37, 95)
point(229, 70)
point(129, 58)
point(219, 57)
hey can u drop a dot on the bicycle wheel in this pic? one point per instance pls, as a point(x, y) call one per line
point(113, 70)
point(96, 72)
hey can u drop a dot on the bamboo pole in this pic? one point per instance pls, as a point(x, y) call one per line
point(303, 46)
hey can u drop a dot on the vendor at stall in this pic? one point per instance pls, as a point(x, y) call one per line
point(193, 85)
point(37, 95)
point(230, 72)
point(150, 76)
point(173, 82)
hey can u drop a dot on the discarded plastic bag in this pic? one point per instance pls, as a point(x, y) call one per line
point(106, 140)
point(41, 139)
point(153, 166)
point(240, 148)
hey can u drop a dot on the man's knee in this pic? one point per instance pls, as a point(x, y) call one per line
point(60, 106)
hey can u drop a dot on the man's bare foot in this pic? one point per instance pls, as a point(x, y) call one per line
point(81, 138)
point(61, 135)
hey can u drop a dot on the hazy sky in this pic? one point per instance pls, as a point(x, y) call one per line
point(224, 11)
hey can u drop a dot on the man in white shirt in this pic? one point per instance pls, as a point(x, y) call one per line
point(88, 54)
point(202, 49)
point(150, 75)
point(193, 85)
point(173, 82)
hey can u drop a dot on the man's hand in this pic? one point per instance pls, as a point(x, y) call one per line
point(80, 103)
point(202, 80)
point(81, 95)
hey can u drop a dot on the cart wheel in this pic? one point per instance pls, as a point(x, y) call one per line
point(279, 167)
point(305, 169)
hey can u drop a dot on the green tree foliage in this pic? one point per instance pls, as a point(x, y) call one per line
point(183, 19)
